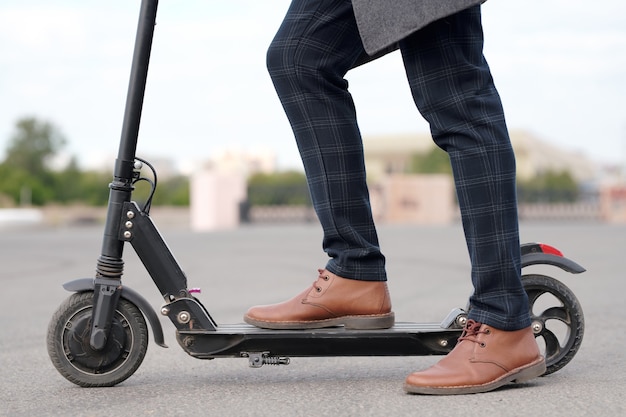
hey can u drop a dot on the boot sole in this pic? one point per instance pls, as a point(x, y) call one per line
point(361, 322)
point(519, 375)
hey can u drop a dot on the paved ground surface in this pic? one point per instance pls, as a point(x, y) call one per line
point(428, 272)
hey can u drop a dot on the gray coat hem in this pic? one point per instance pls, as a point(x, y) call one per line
point(382, 23)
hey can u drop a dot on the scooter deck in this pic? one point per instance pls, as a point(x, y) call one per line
point(242, 340)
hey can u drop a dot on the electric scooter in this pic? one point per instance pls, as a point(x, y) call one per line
point(99, 336)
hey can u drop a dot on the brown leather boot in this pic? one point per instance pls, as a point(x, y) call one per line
point(484, 359)
point(331, 301)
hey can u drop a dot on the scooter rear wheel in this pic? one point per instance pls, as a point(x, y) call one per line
point(70, 351)
point(557, 319)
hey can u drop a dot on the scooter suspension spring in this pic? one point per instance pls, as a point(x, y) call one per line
point(275, 360)
point(258, 359)
point(109, 268)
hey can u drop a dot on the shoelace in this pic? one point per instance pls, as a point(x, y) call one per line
point(471, 330)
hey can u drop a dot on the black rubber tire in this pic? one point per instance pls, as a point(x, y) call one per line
point(558, 351)
point(71, 354)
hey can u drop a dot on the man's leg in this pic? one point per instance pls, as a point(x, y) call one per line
point(453, 88)
point(315, 46)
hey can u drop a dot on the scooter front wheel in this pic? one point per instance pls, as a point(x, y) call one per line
point(71, 354)
point(557, 319)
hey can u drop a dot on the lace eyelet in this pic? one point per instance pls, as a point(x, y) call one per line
point(318, 289)
point(487, 331)
point(483, 345)
point(326, 277)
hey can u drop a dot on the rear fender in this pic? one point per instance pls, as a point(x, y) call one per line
point(540, 253)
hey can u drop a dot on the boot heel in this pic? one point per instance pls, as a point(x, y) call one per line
point(382, 321)
point(531, 372)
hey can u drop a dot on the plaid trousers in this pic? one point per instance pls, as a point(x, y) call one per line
point(450, 81)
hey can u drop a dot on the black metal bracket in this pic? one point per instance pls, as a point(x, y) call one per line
point(188, 314)
point(137, 228)
point(106, 296)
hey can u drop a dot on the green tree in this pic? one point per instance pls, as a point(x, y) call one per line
point(72, 185)
point(25, 174)
point(65, 183)
point(93, 188)
point(173, 191)
point(435, 161)
point(20, 186)
point(33, 145)
point(25, 171)
point(281, 188)
point(549, 187)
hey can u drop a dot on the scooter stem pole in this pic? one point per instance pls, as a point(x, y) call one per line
point(110, 266)
point(137, 85)
point(121, 187)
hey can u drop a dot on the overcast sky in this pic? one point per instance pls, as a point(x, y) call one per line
point(560, 67)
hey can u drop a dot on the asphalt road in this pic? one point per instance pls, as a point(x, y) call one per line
point(428, 272)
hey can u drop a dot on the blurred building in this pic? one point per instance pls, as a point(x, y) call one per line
point(390, 154)
point(398, 196)
point(535, 156)
point(413, 199)
point(218, 187)
point(243, 161)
